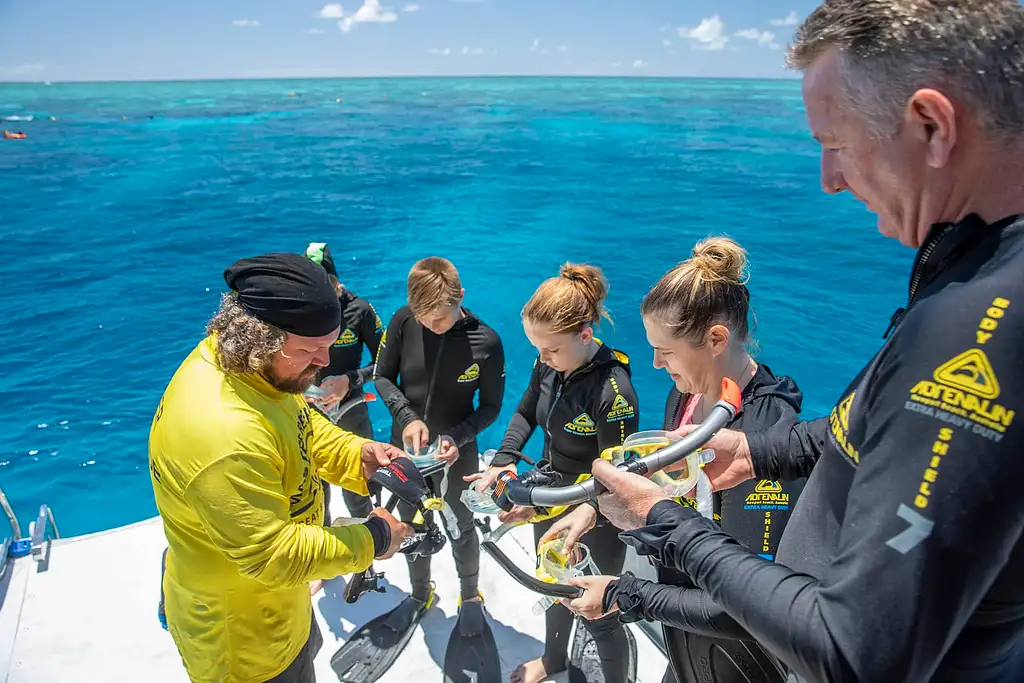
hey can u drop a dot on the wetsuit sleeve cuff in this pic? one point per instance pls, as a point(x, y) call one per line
point(662, 520)
point(406, 417)
point(381, 533)
point(667, 511)
point(502, 459)
point(623, 594)
point(757, 442)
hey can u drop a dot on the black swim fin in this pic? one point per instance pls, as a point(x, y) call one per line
point(371, 650)
point(585, 663)
point(472, 655)
point(698, 658)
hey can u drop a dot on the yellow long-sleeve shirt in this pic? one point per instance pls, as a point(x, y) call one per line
point(234, 465)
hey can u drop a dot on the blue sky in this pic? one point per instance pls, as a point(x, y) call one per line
point(59, 40)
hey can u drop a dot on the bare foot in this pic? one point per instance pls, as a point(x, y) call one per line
point(529, 672)
point(315, 586)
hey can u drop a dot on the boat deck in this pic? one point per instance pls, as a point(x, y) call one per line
point(87, 614)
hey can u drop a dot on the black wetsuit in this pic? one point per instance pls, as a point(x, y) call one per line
point(424, 376)
point(361, 326)
point(592, 409)
point(703, 643)
point(906, 547)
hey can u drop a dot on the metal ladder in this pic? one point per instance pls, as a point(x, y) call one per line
point(41, 532)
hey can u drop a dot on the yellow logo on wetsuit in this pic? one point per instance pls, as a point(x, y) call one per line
point(347, 338)
point(621, 409)
point(471, 374)
point(839, 422)
point(582, 425)
point(767, 495)
point(970, 372)
point(962, 392)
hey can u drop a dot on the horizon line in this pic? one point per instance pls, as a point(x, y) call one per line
point(390, 77)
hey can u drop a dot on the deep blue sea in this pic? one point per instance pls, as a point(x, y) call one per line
point(120, 213)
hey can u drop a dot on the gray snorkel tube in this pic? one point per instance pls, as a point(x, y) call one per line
point(529, 490)
point(511, 490)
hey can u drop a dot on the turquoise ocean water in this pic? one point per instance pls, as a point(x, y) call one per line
point(119, 217)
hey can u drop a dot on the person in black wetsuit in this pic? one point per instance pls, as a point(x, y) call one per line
point(435, 357)
point(904, 556)
point(696, 321)
point(346, 374)
point(581, 396)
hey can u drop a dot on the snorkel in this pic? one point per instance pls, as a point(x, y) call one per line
point(533, 489)
point(530, 489)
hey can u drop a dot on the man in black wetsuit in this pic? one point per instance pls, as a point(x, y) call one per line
point(435, 357)
point(904, 558)
point(346, 374)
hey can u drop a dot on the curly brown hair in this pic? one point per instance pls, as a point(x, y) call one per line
point(245, 344)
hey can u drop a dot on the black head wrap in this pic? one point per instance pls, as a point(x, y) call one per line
point(288, 291)
point(319, 252)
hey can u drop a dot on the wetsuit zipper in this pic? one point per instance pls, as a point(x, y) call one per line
point(551, 411)
point(558, 396)
point(433, 376)
point(915, 277)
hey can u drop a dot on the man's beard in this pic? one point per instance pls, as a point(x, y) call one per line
point(293, 385)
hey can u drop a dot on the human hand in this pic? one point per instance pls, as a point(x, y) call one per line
point(376, 455)
point(518, 513)
point(629, 497)
point(447, 451)
point(732, 464)
point(589, 604)
point(486, 479)
point(416, 435)
point(337, 387)
point(399, 532)
point(572, 526)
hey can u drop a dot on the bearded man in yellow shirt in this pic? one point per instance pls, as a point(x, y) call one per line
point(236, 457)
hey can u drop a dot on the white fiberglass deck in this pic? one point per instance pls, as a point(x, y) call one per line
point(90, 617)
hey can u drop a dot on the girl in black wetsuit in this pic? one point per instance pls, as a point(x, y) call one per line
point(581, 396)
point(696, 321)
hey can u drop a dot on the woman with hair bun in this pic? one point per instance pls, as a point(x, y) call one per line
point(696, 321)
point(581, 396)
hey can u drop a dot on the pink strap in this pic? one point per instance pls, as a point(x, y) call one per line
point(686, 416)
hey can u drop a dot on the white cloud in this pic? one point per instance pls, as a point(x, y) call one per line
point(639, 64)
point(762, 38)
point(791, 19)
point(314, 31)
point(708, 35)
point(563, 48)
point(412, 7)
point(667, 43)
point(466, 50)
point(26, 69)
point(371, 12)
point(331, 11)
point(444, 52)
point(535, 47)
point(247, 23)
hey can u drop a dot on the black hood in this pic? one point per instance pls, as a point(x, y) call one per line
point(765, 383)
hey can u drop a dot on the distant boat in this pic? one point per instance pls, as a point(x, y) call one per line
point(18, 135)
